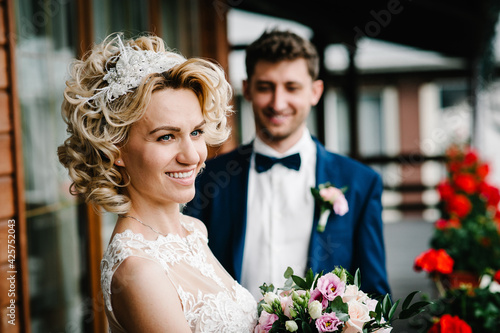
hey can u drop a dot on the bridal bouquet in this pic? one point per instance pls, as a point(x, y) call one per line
point(332, 302)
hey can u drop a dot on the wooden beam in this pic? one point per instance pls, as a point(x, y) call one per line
point(18, 175)
point(92, 220)
point(154, 17)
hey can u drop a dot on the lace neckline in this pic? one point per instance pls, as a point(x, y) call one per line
point(193, 234)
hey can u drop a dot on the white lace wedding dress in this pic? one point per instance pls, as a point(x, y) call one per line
point(211, 299)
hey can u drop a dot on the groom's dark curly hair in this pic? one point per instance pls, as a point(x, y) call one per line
point(276, 46)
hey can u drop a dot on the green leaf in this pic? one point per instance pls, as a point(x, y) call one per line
point(340, 308)
point(393, 311)
point(413, 309)
point(378, 310)
point(306, 328)
point(309, 277)
point(408, 300)
point(357, 279)
point(265, 288)
point(300, 282)
point(386, 305)
point(288, 273)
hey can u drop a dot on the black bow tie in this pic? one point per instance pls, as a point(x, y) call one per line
point(264, 163)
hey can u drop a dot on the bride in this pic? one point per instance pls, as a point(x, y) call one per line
point(139, 118)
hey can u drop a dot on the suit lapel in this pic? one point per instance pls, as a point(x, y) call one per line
point(325, 164)
point(239, 203)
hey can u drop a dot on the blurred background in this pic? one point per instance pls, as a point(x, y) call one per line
point(404, 79)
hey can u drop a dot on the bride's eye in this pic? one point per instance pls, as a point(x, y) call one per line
point(166, 137)
point(197, 132)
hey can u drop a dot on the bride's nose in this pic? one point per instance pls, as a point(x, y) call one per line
point(188, 152)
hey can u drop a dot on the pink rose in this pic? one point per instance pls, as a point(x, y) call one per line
point(340, 206)
point(328, 323)
point(331, 286)
point(336, 198)
point(266, 321)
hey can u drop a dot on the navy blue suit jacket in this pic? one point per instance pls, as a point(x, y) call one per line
point(352, 241)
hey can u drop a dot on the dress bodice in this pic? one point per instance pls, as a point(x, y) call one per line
point(211, 299)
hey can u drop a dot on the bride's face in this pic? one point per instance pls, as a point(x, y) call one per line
point(166, 149)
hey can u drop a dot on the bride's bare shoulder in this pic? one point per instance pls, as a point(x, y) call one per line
point(197, 224)
point(141, 293)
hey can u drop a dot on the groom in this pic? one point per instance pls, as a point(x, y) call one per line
point(256, 201)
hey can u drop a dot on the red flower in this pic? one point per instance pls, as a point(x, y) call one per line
point(454, 167)
point(496, 277)
point(490, 193)
point(442, 224)
point(470, 158)
point(450, 324)
point(482, 171)
point(465, 182)
point(460, 205)
point(445, 190)
point(434, 261)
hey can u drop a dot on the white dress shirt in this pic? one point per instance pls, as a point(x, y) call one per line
point(279, 216)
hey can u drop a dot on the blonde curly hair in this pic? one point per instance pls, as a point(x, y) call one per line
point(98, 126)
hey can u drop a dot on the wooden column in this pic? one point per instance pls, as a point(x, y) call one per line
point(92, 220)
point(14, 294)
point(320, 44)
point(409, 124)
point(215, 45)
point(351, 91)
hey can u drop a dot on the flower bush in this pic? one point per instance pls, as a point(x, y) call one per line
point(466, 310)
point(469, 228)
point(331, 302)
point(465, 246)
point(448, 323)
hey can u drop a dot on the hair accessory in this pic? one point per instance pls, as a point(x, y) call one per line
point(132, 66)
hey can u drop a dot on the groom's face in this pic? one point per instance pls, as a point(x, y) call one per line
point(282, 95)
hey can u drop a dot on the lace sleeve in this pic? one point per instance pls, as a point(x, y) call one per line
point(122, 246)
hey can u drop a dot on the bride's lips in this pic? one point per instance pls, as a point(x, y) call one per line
point(183, 177)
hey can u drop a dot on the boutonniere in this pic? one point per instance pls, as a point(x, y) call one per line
point(329, 198)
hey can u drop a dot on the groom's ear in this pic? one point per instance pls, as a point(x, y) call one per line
point(317, 90)
point(246, 90)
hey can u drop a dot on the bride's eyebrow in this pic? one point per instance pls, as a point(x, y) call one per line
point(174, 129)
point(201, 124)
point(165, 128)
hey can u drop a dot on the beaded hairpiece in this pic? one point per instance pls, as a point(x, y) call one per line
point(132, 66)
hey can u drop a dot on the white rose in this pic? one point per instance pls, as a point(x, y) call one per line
point(351, 293)
point(359, 314)
point(371, 303)
point(270, 297)
point(315, 309)
point(291, 326)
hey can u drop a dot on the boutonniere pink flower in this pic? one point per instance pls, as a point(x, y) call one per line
point(329, 198)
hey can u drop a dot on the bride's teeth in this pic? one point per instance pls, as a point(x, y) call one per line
point(180, 174)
